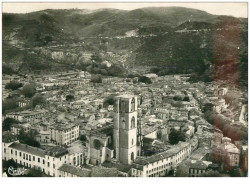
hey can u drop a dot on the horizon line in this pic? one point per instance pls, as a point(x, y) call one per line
point(210, 8)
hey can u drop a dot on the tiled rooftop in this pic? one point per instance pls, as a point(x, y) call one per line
point(196, 164)
point(55, 151)
point(160, 156)
point(28, 149)
point(119, 166)
point(81, 172)
point(104, 172)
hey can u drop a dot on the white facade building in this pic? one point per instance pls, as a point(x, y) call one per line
point(47, 160)
point(64, 134)
point(161, 163)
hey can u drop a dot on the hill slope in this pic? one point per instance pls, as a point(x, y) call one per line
point(172, 39)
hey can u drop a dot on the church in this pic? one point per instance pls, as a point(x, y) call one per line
point(119, 142)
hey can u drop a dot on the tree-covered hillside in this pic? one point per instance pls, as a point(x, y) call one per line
point(166, 40)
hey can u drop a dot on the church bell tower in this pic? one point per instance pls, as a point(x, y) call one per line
point(125, 128)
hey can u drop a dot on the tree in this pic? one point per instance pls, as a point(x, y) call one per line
point(9, 104)
point(211, 173)
point(219, 121)
point(236, 172)
point(34, 173)
point(144, 79)
point(117, 71)
point(186, 99)
point(169, 174)
point(13, 85)
point(7, 123)
point(69, 97)
point(181, 136)
point(8, 70)
point(96, 70)
point(109, 101)
point(7, 164)
point(47, 39)
point(8, 137)
point(173, 137)
point(32, 61)
point(130, 76)
point(97, 144)
point(29, 90)
point(209, 116)
point(28, 138)
point(208, 107)
point(37, 100)
point(155, 70)
point(176, 136)
point(83, 138)
point(178, 98)
point(232, 97)
point(234, 132)
point(135, 81)
point(96, 79)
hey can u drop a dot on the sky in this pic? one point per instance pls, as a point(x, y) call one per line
point(233, 9)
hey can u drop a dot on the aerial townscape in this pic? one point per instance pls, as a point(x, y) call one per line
point(114, 93)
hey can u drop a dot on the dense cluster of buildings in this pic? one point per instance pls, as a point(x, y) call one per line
point(87, 136)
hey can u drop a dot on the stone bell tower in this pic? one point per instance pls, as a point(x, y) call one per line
point(125, 128)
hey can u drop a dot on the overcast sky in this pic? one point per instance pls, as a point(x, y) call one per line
point(233, 9)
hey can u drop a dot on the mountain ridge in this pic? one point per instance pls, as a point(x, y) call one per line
point(149, 37)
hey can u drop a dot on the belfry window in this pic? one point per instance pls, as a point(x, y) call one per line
point(133, 105)
point(123, 123)
point(133, 122)
point(132, 156)
point(123, 106)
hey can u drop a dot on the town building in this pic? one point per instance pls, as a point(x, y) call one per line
point(192, 168)
point(67, 170)
point(46, 160)
point(162, 163)
point(227, 153)
point(27, 115)
point(64, 133)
